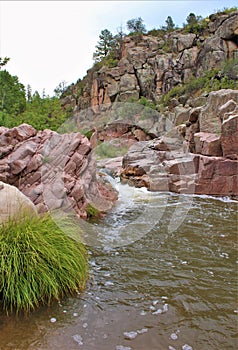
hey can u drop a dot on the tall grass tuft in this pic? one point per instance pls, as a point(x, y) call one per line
point(39, 262)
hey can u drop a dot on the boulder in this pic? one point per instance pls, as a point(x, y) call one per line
point(210, 119)
point(111, 166)
point(229, 27)
point(181, 114)
point(217, 176)
point(207, 144)
point(184, 41)
point(14, 204)
point(229, 137)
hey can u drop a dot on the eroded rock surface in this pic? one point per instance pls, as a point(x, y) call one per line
point(54, 171)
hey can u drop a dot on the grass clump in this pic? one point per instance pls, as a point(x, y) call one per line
point(111, 149)
point(40, 262)
point(92, 212)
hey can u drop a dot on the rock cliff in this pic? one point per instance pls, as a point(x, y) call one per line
point(150, 66)
point(189, 145)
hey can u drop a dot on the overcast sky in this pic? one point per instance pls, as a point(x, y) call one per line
point(53, 41)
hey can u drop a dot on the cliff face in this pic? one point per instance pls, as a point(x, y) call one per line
point(195, 137)
point(150, 66)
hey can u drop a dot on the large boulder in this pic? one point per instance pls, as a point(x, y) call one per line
point(181, 42)
point(55, 171)
point(229, 27)
point(14, 204)
point(207, 144)
point(217, 176)
point(210, 118)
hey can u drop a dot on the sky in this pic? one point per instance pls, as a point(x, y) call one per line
point(53, 41)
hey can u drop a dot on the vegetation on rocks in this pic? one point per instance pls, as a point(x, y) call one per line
point(225, 77)
point(110, 149)
point(40, 262)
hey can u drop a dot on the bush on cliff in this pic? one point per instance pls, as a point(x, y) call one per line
point(40, 262)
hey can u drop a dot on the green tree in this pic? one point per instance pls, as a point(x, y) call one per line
point(192, 19)
point(12, 94)
point(169, 23)
point(3, 61)
point(135, 25)
point(60, 89)
point(195, 24)
point(28, 93)
point(43, 113)
point(105, 45)
point(120, 34)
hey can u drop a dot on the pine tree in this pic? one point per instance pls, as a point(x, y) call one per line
point(105, 45)
point(169, 23)
point(28, 93)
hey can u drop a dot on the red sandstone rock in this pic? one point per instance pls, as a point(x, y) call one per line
point(178, 172)
point(54, 171)
point(217, 176)
point(229, 137)
point(207, 144)
point(212, 113)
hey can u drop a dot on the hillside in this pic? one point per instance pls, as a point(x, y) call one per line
point(151, 69)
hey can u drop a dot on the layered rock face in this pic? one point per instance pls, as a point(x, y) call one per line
point(206, 163)
point(54, 171)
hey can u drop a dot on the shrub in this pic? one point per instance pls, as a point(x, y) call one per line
point(40, 262)
point(111, 149)
point(147, 103)
point(92, 212)
point(227, 10)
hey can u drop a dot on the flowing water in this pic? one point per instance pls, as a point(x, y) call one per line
point(163, 276)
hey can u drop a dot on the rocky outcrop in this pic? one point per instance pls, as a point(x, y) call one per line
point(14, 204)
point(206, 163)
point(54, 171)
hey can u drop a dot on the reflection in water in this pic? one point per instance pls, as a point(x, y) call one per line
point(161, 291)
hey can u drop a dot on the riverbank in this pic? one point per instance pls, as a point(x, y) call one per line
point(163, 289)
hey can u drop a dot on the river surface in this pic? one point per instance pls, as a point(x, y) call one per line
point(163, 276)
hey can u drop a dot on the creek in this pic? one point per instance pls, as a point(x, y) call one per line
point(163, 277)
